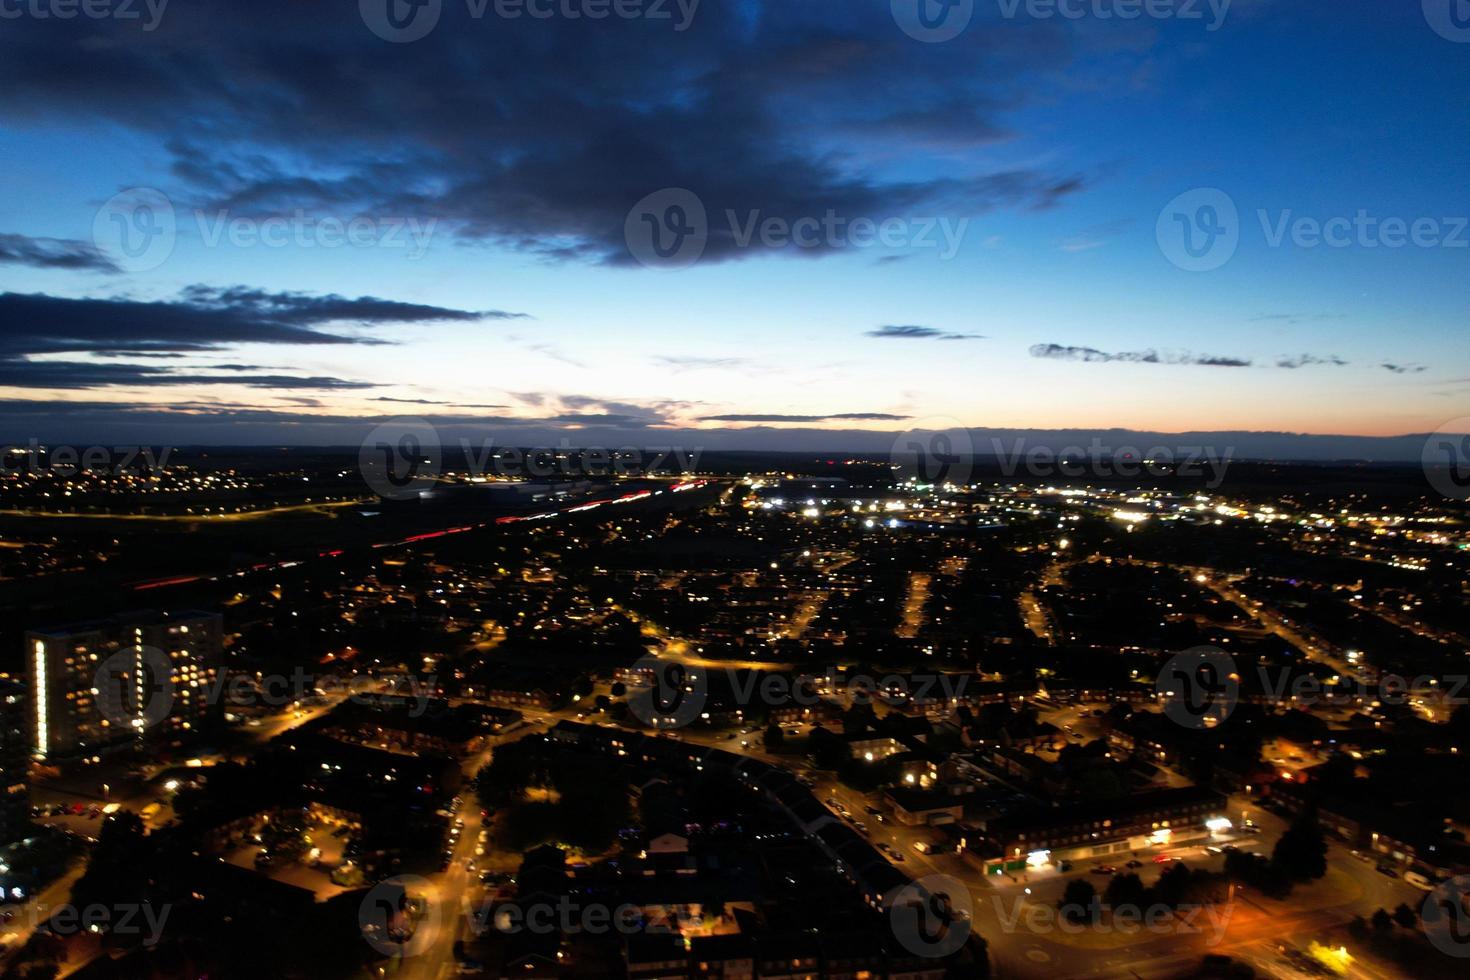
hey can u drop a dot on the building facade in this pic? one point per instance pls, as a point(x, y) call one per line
point(106, 684)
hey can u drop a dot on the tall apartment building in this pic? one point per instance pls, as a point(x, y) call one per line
point(104, 684)
point(15, 761)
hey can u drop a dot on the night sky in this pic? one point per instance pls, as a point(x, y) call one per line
point(277, 221)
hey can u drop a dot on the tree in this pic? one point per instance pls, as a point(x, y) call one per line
point(1301, 853)
point(774, 738)
point(1172, 885)
point(1079, 901)
point(1126, 890)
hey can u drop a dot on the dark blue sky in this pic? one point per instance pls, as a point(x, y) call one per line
point(259, 222)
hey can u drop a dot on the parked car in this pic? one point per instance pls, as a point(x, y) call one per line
point(1419, 880)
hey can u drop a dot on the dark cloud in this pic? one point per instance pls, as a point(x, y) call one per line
point(848, 416)
point(541, 134)
point(53, 253)
point(429, 401)
point(1309, 360)
point(84, 374)
point(1404, 368)
point(913, 332)
point(1060, 352)
point(202, 319)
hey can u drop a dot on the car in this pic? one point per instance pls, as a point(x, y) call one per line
point(1104, 869)
point(1135, 864)
point(1064, 866)
point(873, 810)
point(1386, 871)
point(1164, 858)
point(1365, 858)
